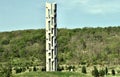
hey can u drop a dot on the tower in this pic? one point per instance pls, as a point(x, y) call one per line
point(51, 33)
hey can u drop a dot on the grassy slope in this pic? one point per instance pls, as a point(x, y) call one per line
point(51, 74)
point(56, 74)
point(92, 45)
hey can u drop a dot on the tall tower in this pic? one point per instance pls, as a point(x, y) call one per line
point(51, 33)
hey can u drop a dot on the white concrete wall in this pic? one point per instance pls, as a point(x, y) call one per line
point(51, 33)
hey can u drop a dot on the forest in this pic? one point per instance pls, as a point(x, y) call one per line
point(89, 46)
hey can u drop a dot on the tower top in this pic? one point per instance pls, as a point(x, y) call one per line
point(51, 3)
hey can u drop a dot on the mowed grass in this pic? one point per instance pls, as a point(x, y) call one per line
point(117, 75)
point(51, 74)
point(56, 74)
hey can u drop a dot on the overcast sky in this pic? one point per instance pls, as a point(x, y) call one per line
point(30, 14)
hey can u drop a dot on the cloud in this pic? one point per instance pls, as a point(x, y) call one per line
point(92, 6)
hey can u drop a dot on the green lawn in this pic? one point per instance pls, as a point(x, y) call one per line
point(56, 74)
point(51, 74)
point(118, 75)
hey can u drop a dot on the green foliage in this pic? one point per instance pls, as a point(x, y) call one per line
point(102, 73)
point(70, 68)
point(5, 41)
point(84, 70)
point(82, 41)
point(95, 72)
point(34, 68)
point(106, 70)
point(118, 71)
point(75, 46)
point(113, 72)
point(43, 69)
point(30, 69)
point(18, 70)
point(6, 70)
point(60, 68)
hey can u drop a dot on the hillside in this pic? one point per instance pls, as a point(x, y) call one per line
point(75, 46)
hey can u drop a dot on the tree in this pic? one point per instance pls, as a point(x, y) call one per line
point(83, 43)
point(84, 70)
point(95, 72)
point(102, 73)
point(6, 70)
point(34, 68)
point(113, 72)
point(106, 70)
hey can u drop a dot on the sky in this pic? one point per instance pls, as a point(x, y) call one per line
point(30, 14)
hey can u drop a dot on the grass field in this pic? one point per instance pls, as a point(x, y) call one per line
point(51, 74)
point(56, 74)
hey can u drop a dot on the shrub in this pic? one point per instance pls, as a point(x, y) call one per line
point(113, 72)
point(84, 69)
point(106, 70)
point(23, 69)
point(118, 71)
point(102, 73)
point(34, 68)
point(83, 63)
point(27, 67)
point(6, 71)
point(95, 72)
point(43, 69)
point(60, 68)
point(71, 68)
point(30, 69)
point(18, 70)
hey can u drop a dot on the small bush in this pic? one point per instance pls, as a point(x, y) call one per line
point(113, 72)
point(43, 69)
point(106, 70)
point(18, 70)
point(83, 63)
point(30, 69)
point(84, 70)
point(27, 67)
point(23, 69)
point(60, 68)
point(6, 71)
point(118, 71)
point(34, 68)
point(95, 72)
point(71, 68)
point(102, 73)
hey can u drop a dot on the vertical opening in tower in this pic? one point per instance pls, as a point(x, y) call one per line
point(49, 64)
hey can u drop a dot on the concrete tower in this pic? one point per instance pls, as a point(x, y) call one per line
point(51, 33)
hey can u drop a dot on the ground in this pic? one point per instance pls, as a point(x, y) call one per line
point(56, 74)
point(51, 74)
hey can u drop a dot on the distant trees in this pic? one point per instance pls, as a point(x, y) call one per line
point(6, 70)
point(75, 46)
point(82, 41)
